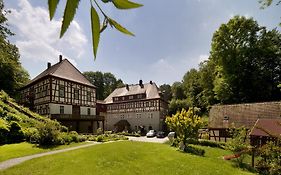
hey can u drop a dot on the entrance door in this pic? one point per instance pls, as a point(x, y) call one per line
point(76, 111)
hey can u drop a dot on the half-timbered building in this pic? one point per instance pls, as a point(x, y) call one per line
point(135, 107)
point(61, 92)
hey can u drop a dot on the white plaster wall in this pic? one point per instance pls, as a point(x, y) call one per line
point(55, 108)
point(84, 110)
point(143, 119)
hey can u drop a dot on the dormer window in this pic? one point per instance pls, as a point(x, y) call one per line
point(226, 118)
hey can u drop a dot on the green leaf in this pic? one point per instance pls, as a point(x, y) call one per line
point(119, 27)
point(69, 12)
point(52, 7)
point(95, 24)
point(125, 4)
point(105, 1)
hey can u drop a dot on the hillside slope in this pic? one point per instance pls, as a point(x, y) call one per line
point(18, 123)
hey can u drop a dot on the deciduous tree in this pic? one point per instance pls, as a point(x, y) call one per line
point(248, 60)
point(105, 83)
point(12, 74)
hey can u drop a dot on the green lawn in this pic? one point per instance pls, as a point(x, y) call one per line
point(10, 151)
point(128, 157)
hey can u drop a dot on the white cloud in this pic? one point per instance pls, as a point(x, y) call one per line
point(202, 58)
point(38, 38)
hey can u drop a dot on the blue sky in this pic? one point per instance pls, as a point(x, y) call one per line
point(172, 36)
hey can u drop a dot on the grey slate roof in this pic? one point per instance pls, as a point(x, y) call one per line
point(151, 91)
point(64, 70)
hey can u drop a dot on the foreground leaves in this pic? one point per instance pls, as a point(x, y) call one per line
point(68, 16)
point(95, 24)
point(119, 27)
point(125, 4)
point(52, 7)
point(70, 11)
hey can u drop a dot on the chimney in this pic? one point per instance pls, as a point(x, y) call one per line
point(48, 65)
point(140, 83)
point(150, 82)
point(127, 87)
point(60, 58)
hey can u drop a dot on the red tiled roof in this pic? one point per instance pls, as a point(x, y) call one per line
point(64, 70)
point(267, 127)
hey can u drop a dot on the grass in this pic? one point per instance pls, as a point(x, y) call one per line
point(10, 151)
point(128, 157)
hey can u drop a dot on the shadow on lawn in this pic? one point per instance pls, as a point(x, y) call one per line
point(244, 166)
point(49, 147)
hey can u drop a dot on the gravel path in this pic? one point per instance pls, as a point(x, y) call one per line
point(12, 162)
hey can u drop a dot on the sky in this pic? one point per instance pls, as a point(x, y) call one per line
point(172, 36)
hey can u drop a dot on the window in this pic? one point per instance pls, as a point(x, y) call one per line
point(61, 91)
point(76, 94)
point(131, 97)
point(46, 90)
point(146, 104)
point(138, 116)
point(61, 109)
point(89, 96)
point(89, 111)
point(225, 118)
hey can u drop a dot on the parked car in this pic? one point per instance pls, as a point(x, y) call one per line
point(171, 135)
point(160, 134)
point(151, 133)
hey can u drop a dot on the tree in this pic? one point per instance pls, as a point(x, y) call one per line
point(110, 83)
point(166, 91)
point(178, 90)
point(185, 124)
point(176, 105)
point(96, 78)
point(247, 59)
point(192, 86)
point(267, 3)
point(12, 74)
point(97, 28)
point(207, 76)
point(105, 83)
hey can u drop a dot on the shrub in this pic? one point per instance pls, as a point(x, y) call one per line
point(4, 131)
point(64, 138)
point(12, 117)
point(239, 144)
point(208, 143)
point(15, 134)
point(194, 150)
point(64, 129)
point(48, 132)
point(31, 134)
point(99, 131)
point(270, 162)
point(100, 138)
point(82, 138)
point(134, 134)
point(74, 136)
